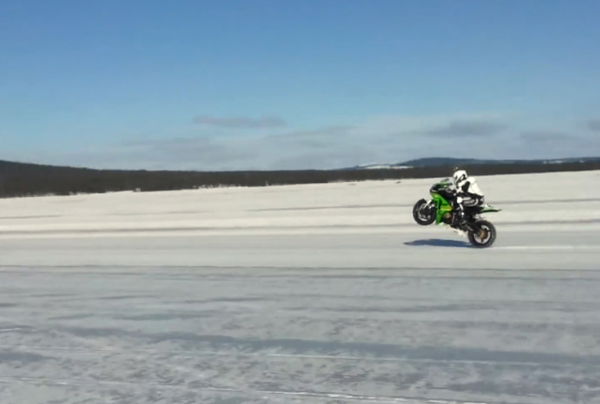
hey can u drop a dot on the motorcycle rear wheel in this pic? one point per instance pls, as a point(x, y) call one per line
point(483, 235)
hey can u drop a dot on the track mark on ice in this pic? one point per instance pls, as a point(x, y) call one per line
point(295, 394)
point(192, 354)
point(549, 247)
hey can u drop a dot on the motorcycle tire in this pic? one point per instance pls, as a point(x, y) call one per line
point(484, 234)
point(422, 216)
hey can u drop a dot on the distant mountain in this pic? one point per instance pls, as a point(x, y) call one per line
point(460, 162)
point(445, 161)
point(380, 167)
point(442, 161)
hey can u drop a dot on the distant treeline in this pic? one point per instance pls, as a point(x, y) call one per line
point(18, 179)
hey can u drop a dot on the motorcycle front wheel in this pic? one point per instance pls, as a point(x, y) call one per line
point(422, 214)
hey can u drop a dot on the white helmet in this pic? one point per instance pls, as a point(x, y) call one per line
point(459, 176)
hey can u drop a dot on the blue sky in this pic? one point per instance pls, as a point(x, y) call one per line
point(266, 84)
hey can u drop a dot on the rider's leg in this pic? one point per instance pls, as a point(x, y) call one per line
point(459, 211)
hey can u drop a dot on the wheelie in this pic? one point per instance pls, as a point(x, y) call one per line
point(458, 202)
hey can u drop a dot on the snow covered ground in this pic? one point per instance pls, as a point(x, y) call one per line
point(313, 293)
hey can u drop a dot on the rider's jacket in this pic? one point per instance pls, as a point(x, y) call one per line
point(468, 188)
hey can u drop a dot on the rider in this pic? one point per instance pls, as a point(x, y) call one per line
point(467, 194)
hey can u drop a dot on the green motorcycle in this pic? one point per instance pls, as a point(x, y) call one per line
point(440, 210)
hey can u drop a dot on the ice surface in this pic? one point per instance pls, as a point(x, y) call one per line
point(312, 293)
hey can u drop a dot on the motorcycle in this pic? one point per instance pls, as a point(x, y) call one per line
point(439, 209)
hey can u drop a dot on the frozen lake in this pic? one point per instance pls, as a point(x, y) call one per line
point(313, 293)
